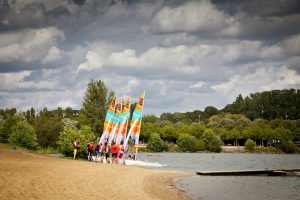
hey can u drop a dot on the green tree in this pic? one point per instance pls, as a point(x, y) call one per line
point(169, 133)
point(95, 103)
point(167, 116)
point(296, 134)
point(69, 135)
point(60, 112)
point(186, 142)
point(249, 145)
point(155, 143)
point(198, 130)
point(69, 113)
point(48, 128)
point(200, 145)
point(208, 112)
point(23, 135)
point(150, 119)
point(213, 142)
point(6, 128)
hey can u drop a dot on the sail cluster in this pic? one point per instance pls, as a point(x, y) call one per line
point(117, 119)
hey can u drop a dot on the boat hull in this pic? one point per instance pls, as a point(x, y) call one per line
point(142, 163)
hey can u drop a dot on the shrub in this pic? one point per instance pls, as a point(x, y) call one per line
point(200, 145)
point(212, 142)
point(268, 150)
point(69, 135)
point(287, 147)
point(23, 135)
point(186, 142)
point(6, 128)
point(155, 143)
point(249, 145)
point(171, 147)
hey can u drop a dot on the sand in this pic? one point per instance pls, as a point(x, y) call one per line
point(25, 175)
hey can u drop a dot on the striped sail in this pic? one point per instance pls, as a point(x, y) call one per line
point(135, 124)
point(108, 121)
point(123, 122)
point(116, 122)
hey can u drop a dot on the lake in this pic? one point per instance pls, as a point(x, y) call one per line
point(232, 187)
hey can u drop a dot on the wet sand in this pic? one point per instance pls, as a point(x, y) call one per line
point(25, 175)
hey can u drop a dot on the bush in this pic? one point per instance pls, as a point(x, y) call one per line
point(155, 143)
point(186, 142)
point(69, 135)
point(249, 145)
point(287, 147)
point(171, 147)
point(212, 142)
point(200, 145)
point(6, 128)
point(268, 150)
point(23, 135)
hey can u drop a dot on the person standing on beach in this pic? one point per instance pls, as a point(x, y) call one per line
point(76, 147)
point(114, 152)
point(97, 150)
point(121, 151)
point(107, 152)
point(89, 148)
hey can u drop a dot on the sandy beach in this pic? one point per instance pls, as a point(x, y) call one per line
point(26, 175)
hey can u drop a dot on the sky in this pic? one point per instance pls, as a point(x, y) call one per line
point(186, 55)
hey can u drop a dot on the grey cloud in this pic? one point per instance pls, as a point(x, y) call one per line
point(264, 8)
point(189, 67)
point(294, 63)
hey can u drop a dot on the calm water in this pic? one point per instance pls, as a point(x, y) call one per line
point(232, 187)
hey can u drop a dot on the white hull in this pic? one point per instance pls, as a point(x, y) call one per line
point(142, 163)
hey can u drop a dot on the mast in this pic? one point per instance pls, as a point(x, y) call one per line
point(108, 121)
point(136, 120)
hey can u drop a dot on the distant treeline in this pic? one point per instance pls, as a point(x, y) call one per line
point(270, 119)
point(275, 104)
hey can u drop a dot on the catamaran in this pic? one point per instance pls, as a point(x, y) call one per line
point(115, 128)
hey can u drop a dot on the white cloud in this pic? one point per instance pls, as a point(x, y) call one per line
point(291, 45)
point(53, 55)
point(192, 16)
point(197, 85)
point(51, 100)
point(93, 61)
point(10, 81)
point(178, 58)
point(126, 58)
point(267, 78)
point(178, 39)
point(294, 62)
point(15, 81)
point(28, 45)
point(129, 86)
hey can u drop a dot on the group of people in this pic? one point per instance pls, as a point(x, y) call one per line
point(113, 152)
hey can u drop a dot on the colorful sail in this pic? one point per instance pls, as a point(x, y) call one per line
point(116, 122)
point(135, 125)
point(108, 121)
point(123, 122)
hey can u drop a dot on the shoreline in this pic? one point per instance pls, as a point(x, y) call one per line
point(29, 175)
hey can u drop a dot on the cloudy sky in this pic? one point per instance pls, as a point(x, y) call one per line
point(186, 55)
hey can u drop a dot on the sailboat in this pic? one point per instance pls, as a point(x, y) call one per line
point(124, 118)
point(116, 122)
point(134, 133)
point(108, 123)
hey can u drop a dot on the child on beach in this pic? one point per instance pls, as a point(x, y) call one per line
point(89, 148)
point(76, 147)
point(121, 151)
point(97, 150)
point(107, 151)
point(114, 152)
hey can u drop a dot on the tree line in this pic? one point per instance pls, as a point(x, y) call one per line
point(269, 119)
